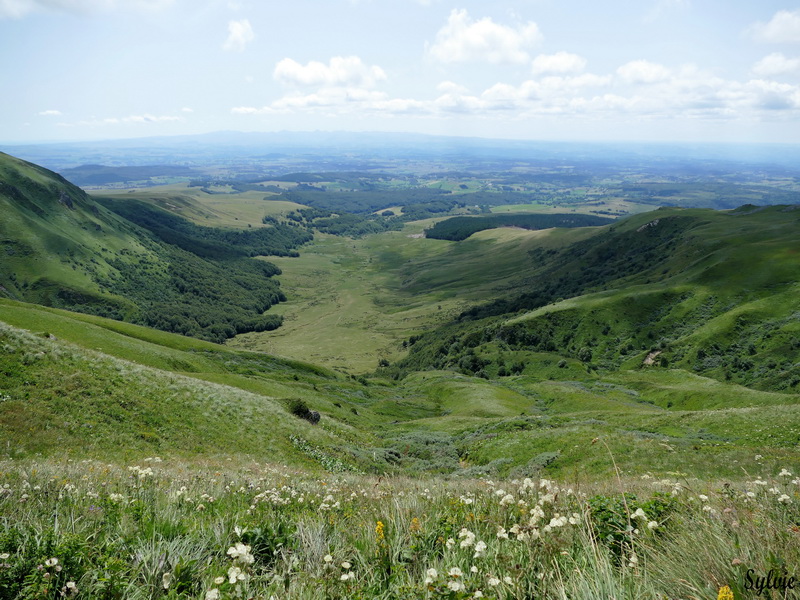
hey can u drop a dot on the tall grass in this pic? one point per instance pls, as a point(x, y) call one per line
point(248, 530)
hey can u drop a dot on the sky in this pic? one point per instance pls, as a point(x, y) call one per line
point(618, 70)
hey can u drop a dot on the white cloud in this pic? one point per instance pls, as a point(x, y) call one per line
point(20, 8)
point(50, 113)
point(148, 118)
point(340, 71)
point(186, 109)
point(771, 95)
point(674, 94)
point(560, 62)
point(240, 33)
point(463, 39)
point(784, 27)
point(776, 64)
point(643, 71)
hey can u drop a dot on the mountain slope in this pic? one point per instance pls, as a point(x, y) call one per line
point(62, 248)
point(712, 292)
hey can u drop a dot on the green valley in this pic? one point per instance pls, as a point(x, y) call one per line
point(294, 368)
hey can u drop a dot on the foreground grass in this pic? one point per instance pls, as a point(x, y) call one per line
point(233, 529)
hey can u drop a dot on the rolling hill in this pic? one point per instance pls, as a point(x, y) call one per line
point(127, 260)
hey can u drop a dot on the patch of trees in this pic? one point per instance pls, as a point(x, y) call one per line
point(345, 224)
point(197, 297)
point(460, 228)
point(211, 242)
point(366, 201)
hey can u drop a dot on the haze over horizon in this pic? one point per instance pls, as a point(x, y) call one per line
point(660, 70)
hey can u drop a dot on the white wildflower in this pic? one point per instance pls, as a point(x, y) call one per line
point(236, 574)
point(241, 553)
point(455, 585)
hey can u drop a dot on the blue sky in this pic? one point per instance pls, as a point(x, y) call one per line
point(645, 70)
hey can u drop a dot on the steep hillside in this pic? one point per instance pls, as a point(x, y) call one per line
point(711, 292)
point(63, 248)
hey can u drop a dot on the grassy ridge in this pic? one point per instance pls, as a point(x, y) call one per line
point(710, 292)
point(460, 228)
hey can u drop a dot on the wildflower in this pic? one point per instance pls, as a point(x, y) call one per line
point(166, 579)
point(480, 548)
point(219, 580)
point(455, 586)
point(507, 499)
point(652, 525)
point(725, 593)
point(415, 525)
point(379, 534)
point(347, 576)
point(785, 473)
point(703, 498)
point(477, 594)
point(346, 565)
point(450, 543)
point(493, 581)
point(473, 569)
point(212, 594)
point(507, 580)
point(51, 562)
point(236, 574)
point(455, 572)
point(4, 555)
point(468, 538)
point(432, 574)
point(501, 533)
point(784, 499)
point(633, 560)
point(327, 558)
point(241, 553)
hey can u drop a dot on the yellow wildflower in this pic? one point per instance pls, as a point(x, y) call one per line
point(415, 525)
point(379, 531)
point(725, 593)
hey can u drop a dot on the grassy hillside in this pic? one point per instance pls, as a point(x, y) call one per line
point(714, 293)
point(133, 261)
point(88, 386)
